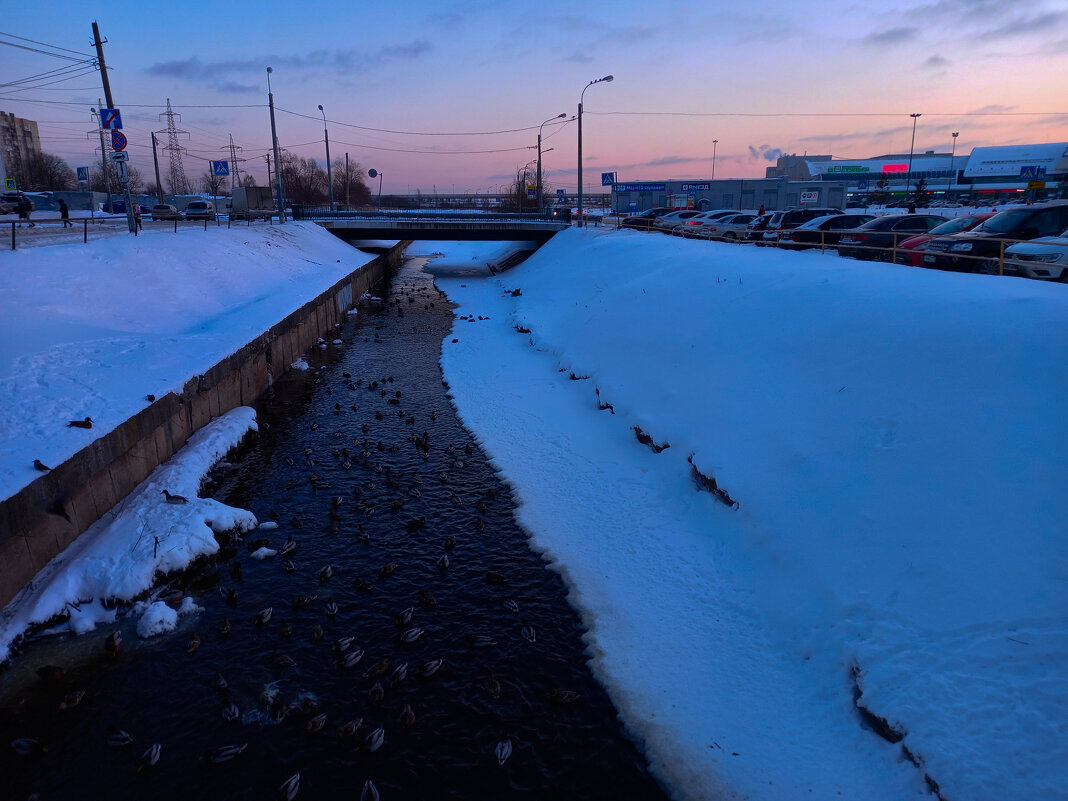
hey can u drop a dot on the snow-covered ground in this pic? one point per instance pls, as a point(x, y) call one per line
point(891, 436)
point(92, 330)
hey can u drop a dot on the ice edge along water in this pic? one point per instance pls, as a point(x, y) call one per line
point(121, 556)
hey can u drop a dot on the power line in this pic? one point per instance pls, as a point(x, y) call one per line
point(411, 133)
point(45, 44)
point(437, 152)
point(821, 114)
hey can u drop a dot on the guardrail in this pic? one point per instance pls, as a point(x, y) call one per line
point(113, 225)
point(881, 253)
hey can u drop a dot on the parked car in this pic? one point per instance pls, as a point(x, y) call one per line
point(876, 239)
point(911, 250)
point(979, 250)
point(696, 225)
point(1045, 257)
point(643, 221)
point(823, 230)
point(731, 227)
point(200, 210)
point(165, 211)
point(668, 221)
point(788, 220)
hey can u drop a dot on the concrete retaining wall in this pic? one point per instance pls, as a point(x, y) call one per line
point(37, 523)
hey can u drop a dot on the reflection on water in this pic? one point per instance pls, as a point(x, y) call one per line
point(403, 540)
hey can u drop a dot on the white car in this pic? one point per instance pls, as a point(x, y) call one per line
point(732, 227)
point(1045, 257)
point(695, 226)
point(669, 221)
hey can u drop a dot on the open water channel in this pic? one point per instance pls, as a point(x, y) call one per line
point(363, 462)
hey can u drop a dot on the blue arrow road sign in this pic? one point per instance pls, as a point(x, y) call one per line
point(608, 178)
point(110, 119)
point(220, 168)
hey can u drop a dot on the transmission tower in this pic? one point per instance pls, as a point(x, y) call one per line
point(235, 173)
point(179, 183)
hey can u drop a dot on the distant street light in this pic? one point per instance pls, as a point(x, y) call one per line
point(277, 161)
point(373, 173)
point(952, 164)
point(329, 175)
point(557, 117)
point(714, 143)
point(908, 175)
point(605, 79)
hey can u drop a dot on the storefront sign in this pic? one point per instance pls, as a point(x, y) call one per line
point(640, 187)
point(695, 187)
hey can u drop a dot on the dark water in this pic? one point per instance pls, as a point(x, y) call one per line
point(155, 690)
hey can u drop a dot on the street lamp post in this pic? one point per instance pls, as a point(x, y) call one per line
point(277, 161)
point(714, 143)
point(605, 79)
point(557, 117)
point(952, 164)
point(329, 175)
point(912, 147)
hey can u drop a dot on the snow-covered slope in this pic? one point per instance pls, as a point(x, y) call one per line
point(894, 441)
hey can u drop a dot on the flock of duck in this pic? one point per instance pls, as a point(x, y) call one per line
point(366, 487)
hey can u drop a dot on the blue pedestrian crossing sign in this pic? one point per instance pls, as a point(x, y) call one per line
point(83, 173)
point(608, 178)
point(110, 119)
point(559, 192)
point(220, 168)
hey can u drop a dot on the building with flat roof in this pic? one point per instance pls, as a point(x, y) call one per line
point(733, 193)
point(20, 143)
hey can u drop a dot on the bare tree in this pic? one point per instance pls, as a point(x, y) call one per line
point(97, 183)
point(45, 171)
point(248, 180)
point(211, 183)
point(303, 180)
point(350, 184)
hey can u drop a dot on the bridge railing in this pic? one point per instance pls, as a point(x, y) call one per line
point(303, 212)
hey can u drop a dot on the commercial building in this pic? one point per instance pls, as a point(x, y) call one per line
point(987, 173)
point(734, 193)
point(20, 143)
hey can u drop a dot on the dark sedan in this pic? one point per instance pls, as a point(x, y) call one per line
point(643, 221)
point(822, 231)
point(876, 239)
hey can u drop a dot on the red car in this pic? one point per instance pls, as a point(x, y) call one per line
point(910, 251)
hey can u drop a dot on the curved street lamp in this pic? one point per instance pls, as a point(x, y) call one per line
point(912, 147)
point(605, 79)
point(557, 117)
point(329, 175)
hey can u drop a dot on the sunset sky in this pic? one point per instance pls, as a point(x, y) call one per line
point(774, 77)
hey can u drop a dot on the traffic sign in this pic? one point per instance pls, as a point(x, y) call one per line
point(110, 119)
point(83, 173)
point(532, 191)
point(118, 140)
point(1036, 184)
point(120, 155)
point(220, 168)
point(122, 171)
point(608, 178)
point(10, 185)
point(559, 192)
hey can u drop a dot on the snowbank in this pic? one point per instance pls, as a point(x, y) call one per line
point(94, 329)
point(890, 436)
point(119, 556)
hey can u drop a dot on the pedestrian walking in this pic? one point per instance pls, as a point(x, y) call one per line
point(761, 212)
point(24, 212)
point(64, 213)
point(137, 216)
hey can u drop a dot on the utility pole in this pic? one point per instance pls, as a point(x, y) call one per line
point(124, 177)
point(155, 163)
point(347, 181)
point(268, 157)
point(277, 160)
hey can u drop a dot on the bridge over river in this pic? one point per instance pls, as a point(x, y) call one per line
point(441, 225)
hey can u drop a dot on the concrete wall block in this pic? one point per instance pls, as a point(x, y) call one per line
point(82, 509)
point(199, 411)
point(162, 439)
point(43, 539)
point(229, 392)
point(143, 458)
point(17, 569)
point(178, 428)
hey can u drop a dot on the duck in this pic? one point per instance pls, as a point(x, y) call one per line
point(428, 669)
point(352, 658)
point(315, 725)
point(503, 751)
point(193, 644)
point(174, 499)
point(387, 569)
point(450, 542)
point(374, 740)
point(290, 787)
point(289, 546)
point(285, 628)
point(119, 738)
point(400, 672)
point(231, 711)
point(528, 633)
point(264, 615)
point(492, 686)
point(412, 634)
point(348, 729)
point(301, 601)
point(443, 562)
point(225, 753)
point(40, 466)
point(563, 697)
point(407, 717)
point(369, 792)
point(331, 607)
point(86, 423)
point(326, 573)
point(72, 699)
point(225, 626)
point(151, 756)
point(316, 633)
point(405, 617)
point(376, 694)
point(113, 642)
point(379, 668)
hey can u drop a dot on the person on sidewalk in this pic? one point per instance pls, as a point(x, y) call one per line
point(24, 212)
point(64, 213)
point(137, 216)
